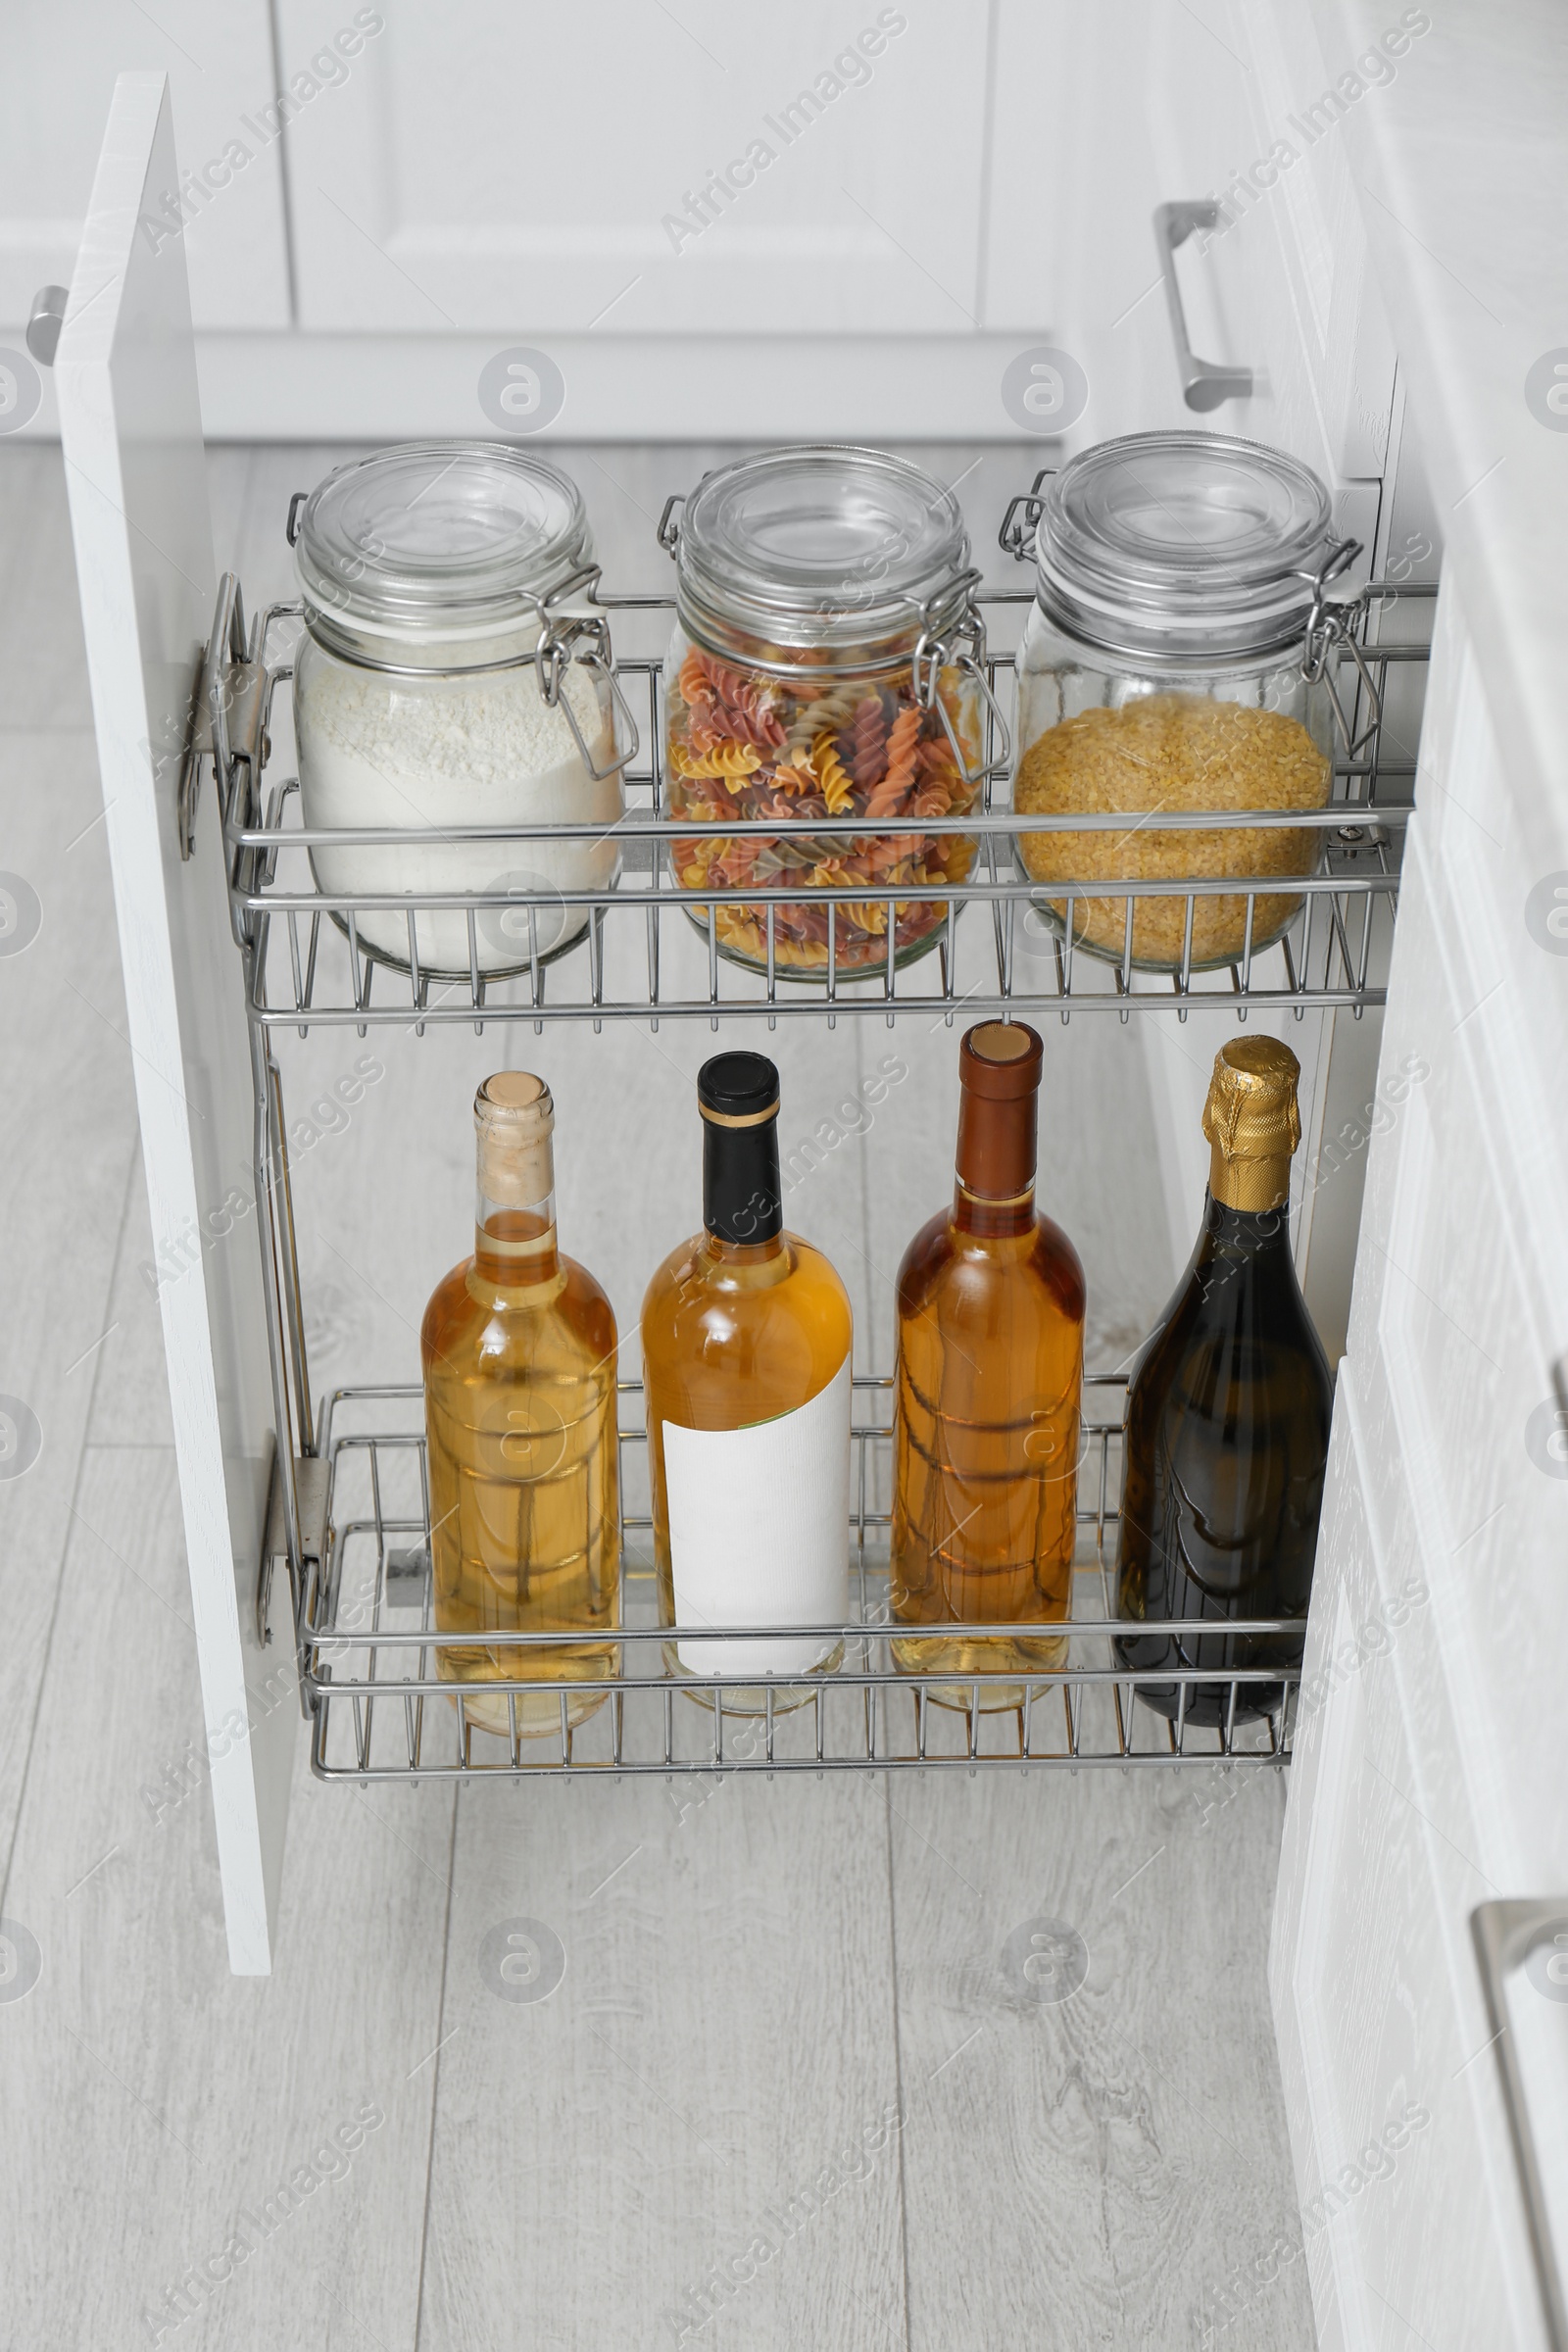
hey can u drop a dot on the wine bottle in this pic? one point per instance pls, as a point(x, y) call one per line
point(746, 1359)
point(987, 1393)
point(1228, 1411)
point(518, 1346)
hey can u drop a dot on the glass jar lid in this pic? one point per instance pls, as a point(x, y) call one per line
point(826, 546)
point(451, 540)
point(1182, 546)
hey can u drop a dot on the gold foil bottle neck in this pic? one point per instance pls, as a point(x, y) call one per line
point(1252, 1123)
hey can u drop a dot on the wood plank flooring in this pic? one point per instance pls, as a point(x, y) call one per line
point(732, 2065)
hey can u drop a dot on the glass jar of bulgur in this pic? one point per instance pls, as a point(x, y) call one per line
point(826, 664)
point(1172, 662)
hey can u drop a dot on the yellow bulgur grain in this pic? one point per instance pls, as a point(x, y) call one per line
point(1173, 752)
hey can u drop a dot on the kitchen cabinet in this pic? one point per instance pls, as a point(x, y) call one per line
point(132, 441)
point(61, 66)
point(1428, 1782)
point(1424, 1779)
point(439, 191)
point(710, 175)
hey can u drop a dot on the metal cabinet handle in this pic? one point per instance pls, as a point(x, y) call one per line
point(1204, 382)
point(1506, 1935)
point(45, 320)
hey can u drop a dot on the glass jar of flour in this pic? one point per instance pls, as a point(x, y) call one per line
point(455, 676)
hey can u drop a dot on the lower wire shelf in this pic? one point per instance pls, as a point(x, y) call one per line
point(369, 1650)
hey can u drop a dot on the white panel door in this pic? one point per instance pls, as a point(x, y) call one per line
point(715, 169)
point(59, 70)
point(135, 468)
point(1434, 1780)
point(1101, 114)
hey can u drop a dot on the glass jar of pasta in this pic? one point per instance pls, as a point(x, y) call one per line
point(1176, 660)
point(827, 665)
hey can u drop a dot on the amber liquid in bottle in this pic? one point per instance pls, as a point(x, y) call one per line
point(1228, 1421)
point(987, 1396)
point(742, 1325)
point(518, 1345)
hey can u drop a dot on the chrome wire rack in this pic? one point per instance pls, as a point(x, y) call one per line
point(347, 1521)
point(382, 1709)
point(649, 949)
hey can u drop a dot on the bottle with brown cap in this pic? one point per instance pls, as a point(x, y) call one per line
point(1228, 1420)
point(989, 1372)
point(518, 1345)
point(747, 1334)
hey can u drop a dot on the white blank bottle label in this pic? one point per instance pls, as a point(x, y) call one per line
point(759, 1532)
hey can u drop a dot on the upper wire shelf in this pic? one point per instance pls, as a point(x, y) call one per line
point(649, 949)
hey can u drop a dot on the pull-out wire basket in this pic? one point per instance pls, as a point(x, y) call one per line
point(1019, 950)
point(383, 1711)
point(348, 1522)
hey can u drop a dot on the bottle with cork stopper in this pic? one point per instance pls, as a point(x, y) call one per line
point(1227, 1429)
point(520, 1352)
point(986, 1400)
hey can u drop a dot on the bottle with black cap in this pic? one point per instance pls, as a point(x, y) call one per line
point(746, 1359)
point(986, 1399)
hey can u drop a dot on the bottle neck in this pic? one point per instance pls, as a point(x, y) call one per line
point(1259, 1185)
point(515, 1247)
point(514, 1212)
point(1254, 1233)
point(994, 1190)
point(992, 1220)
point(743, 1207)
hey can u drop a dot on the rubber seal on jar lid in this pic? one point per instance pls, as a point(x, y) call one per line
point(1001, 1061)
point(737, 1090)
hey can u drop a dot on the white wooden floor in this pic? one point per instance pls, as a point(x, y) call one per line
point(790, 2047)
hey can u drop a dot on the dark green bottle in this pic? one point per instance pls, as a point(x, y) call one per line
point(1228, 1418)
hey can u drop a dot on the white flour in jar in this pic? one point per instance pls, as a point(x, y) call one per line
point(443, 750)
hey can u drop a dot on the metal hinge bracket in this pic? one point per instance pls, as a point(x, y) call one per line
point(228, 711)
point(311, 1476)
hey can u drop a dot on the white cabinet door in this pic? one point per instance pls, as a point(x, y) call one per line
point(745, 223)
point(1102, 115)
point(131, 432)
point(716, 170)
point(1429, 1776)
point(1284, 282)
point(61, 64)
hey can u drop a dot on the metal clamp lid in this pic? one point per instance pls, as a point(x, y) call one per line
point(668, 523)
point(1016, 537)
point(1331, 625)
point(952, 635)
point(576, 636)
